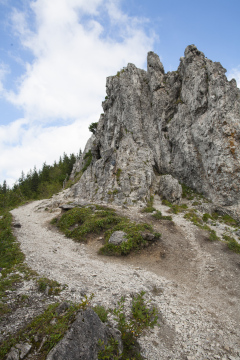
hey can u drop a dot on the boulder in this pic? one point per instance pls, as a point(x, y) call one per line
point(82, 340)
point(147, 235)
point(117, 238)
point(23, 349)
point(170, 189)
point(19, 351)
point(16, 225)
point(13, 354)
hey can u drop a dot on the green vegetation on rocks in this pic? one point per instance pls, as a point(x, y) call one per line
point(88, 159)
point(141, 317)
point(149, 208)
point(78, 223)
point(49, 327)
point(175, 209)
point(232, 244)
point(158, 216)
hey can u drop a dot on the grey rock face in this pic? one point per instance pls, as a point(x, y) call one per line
point(185, 123)
point(117, 238)
point(81, 340)
point(19, 351)
point(170, 189)
point(13, 354)
point(148, 236)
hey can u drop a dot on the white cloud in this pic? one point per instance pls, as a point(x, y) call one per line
point(235, 74)
point(75, 45)
point(72, 56)
point(4, 70)
point(22, 147)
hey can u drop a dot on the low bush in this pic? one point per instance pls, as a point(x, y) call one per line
point(158, 216)
point(232, 244)
point(175, 209)
point(78, 223)
point(149, 208)
point(131, 326)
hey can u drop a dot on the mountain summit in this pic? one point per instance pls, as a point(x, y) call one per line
point(184, 123)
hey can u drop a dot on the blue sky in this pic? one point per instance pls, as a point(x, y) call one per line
point(55, 57)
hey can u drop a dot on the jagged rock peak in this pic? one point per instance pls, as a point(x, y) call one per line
point(154, 63)
point(185, 123)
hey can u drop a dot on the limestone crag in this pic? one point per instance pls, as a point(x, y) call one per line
point(185, 123)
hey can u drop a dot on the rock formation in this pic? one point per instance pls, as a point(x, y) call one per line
point(82, 339)
point(185, 123)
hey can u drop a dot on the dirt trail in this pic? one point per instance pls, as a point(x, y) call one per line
point(193, 282)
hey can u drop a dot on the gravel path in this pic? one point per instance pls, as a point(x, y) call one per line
point(188, 328)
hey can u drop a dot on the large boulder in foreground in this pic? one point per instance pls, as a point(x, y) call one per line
point(82, 339)
point(170, 189)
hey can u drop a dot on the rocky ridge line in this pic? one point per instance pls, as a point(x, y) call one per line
point(184, 123)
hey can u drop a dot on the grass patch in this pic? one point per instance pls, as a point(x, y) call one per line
point(10, 256)
point(213, 236)
point(4, 309)
point(206, 217)
point(190, 194)
point(141, 317)
point(232, 244)
point(134, 241)
point(196, 220)
point(78, 223)
point(118, 174)
point(53, 286)
point(10, 253)
point(88, 160)
point(102, 312)
point(228, 220)
point(187, 192)
point(149, 208)
point(158, 216)
point(175, 209)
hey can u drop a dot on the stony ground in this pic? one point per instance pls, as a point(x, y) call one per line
point(193, 282)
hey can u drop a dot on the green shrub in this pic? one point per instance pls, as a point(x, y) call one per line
point(192, 216)
point(149, 208)
point(175, 209)
point(45, 328)
point(206, 217)
point(10, 253)
point(213, 236)
point(93, 126)
point(118, 174)
point(88, 160)
point(131, 326)
point(159, 216)
point(101, 312)
point(54, 286)
point(140, 318)
point(232, 244)
point(77, 223)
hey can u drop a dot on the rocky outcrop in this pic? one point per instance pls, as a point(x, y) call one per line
point(170, 189)
point(117, 238)
point(185, 123)
point(82, 341)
